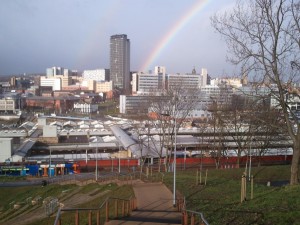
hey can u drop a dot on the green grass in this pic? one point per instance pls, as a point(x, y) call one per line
point(110, 190)
point(20, 194)
point(11, 178)
point(219, 199)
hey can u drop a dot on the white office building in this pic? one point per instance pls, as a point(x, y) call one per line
point(55, 83)
point(204, 77)
point(85, 108)
point(153, 84)
point(103, 86)
point(53, 71)
point(145, 84)
point(97, 75)
point(189, 81)
point(160, 70)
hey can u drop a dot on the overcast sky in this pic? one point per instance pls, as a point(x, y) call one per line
point(75, 34)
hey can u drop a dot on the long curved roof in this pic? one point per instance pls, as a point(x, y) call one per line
point(137, 149)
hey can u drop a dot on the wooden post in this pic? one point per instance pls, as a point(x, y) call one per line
point(186, 218)
point(107, 211)
point(147, 171)
point(123, 208)
point(134, 204)
point(127, 208)
point(116, 208)
point(130, 206)
point(245, 187)
point(242, 188)
point(182, 218)
point(192, 219)
point(76, 217)
point(98, 217)
point(252, 187)
point(200, 177)
point(205, 177)
point(197, 177)
point(90, 217)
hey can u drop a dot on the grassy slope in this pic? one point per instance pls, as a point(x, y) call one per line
point(219, 199)
point(20, 194)
point(220, 202)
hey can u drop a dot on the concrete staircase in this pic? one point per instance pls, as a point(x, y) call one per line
point(154, 206)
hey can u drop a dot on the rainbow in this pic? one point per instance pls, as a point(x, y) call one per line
point(167, 38)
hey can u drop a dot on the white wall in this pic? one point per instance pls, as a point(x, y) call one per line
point(5, 149)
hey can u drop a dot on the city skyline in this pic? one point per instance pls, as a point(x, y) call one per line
point(75, 34)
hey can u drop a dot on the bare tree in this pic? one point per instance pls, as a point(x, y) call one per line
point(268, 130)
point(216, 124)
point(203, 144)
point(263, 37)
point(170, 109)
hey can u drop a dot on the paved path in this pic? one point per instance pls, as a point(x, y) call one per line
point(154, 206)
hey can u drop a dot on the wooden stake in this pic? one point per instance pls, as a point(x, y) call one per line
point(252, 187)
point(206, 176)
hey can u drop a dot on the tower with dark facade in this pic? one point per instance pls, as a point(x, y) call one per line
point(120, 61)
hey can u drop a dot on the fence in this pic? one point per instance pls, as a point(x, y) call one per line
point(111, 208)
point(190, 217)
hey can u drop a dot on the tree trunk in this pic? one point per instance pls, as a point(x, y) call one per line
point(159, 164)
point(238, 159)
point(295, 163)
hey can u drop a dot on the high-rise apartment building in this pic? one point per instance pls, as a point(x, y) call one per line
point(120, 61)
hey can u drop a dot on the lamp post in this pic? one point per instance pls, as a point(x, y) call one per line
point(93, 145)
point(50, 164)
point(96, 172)
point(119, 138)
point(174, 177)
point(174, 161)
point(250, 160)
point(119, 160)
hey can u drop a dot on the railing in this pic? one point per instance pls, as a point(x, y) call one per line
point(111, 208)
point(193, 218)
point(190, 217)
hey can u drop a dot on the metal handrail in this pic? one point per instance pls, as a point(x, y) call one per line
point(193, 212)
point(201, 216)
point(107, 199)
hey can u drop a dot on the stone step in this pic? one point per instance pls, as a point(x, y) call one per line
point(149, 217)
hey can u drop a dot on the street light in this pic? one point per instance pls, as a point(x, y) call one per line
point(119, 138)
point(174, 161)
point(96, 173)
point(174, 178)
point(96, 144)
point(50, 164)
point(119, 158)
